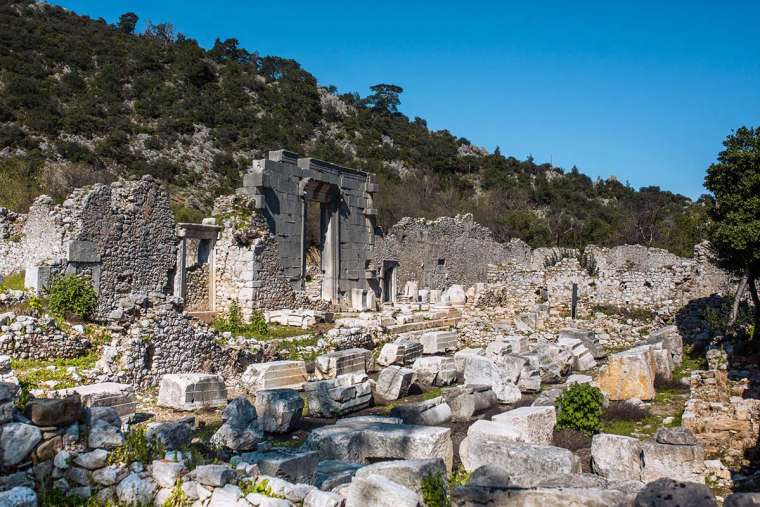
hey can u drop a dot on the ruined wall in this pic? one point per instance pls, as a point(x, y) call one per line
point(24, 337)
point(163, 340)
point(438, 253)
point(11, 246)
point(628, 275)
point(247, 261)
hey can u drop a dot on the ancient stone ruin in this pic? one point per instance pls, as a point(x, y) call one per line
point(289, 352)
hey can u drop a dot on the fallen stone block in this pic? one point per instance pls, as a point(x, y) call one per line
point(438, 342)
point(461, 356)
point(378, 491)
point(333, 473)
point(742, 500)
point(664, 364)
point(54, 411)
point(295, 465)
point(527, 465)
point(582, 358)
point(338, 396)
point(240, 430)
point(121, 397)
point(547, 398)
point(365, 442)
point(534, 424)
point(472, 496)
point(471, 400)
point(433, 412)
point(192, 391)
point(274, 375)
point(589, 339)
point(671, 340)
point(172, 435)
point(629, 375)
point(279, 410)
point(678, 462)
point(501, 375)
point(409, 473)
point(394, 382)
point(670, 493)
point(616, 457)
point(435, 370)
point(507, 345)
point(401, 352)
point(342, 362)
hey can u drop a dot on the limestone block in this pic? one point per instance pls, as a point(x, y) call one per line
point(469, 403)
point(370, 441)
point(589, 339)
point(438, 342)
point(378, 491)
point(409, 473)
point(279, 410)
point(54, 411)
point(341, 362)
point(120, 397)
point(507, 345)
point(501, 375)
point(433, 412)
point(192, 391)
point(664, 363)
point(582, 359)
point(339, 396)
point(17, 442)
point(671, 340)
point(461, 356)
point(616, 457)
point(401, 352)
point(273, 375)
point(20, 496)
point(456, 295)
point(470, 496)
point(678, 462)
point(435, 296)
point(628, 375)
point(527, 465)
point(667, 492)
point(294, 465)
point(435, 370)
point(534, 424)
point(394, 382)
point(332, 473)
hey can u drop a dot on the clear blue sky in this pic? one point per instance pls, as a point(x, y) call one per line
point(645, 91)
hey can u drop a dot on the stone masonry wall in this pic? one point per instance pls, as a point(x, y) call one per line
point(438, 253)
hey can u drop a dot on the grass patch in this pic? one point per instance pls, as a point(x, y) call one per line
point(289, 443)
point(625, 312)
point(292, 349)
point(621, 418)
point(36, 372)
point(432, 393)
point(14, 281)
point(692, 360)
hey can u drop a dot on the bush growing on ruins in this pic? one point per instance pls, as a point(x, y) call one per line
point(136, 447)
point(580, 408)
point(232, 321)
point(435, 491)
point(72, 295)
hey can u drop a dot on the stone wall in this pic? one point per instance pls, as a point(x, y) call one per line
point(24, 337)
point(164, 340)
point(441, 252)
point(247, 260)
point(197, 288)
point(11, 245)
point(629, 275)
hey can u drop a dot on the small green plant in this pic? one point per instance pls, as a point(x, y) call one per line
point(580, 408)
point(556, 256)
point(588, 263)
point(459, 477)
point(24, 395)
point(232, 321)
point(14, 281)
point(262, 488)
point(177, 498)
point(72, 295)
point(435, 491)
point(136, 447)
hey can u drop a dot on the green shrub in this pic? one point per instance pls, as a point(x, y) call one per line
point(72, 295)
point(435, 491)
point(232, 321)
point(580, 408)
point(136, 447)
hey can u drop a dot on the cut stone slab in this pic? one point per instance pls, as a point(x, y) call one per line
point(461, 356)
point(664, 364)
point(438, 342)
point(378, 491)
point(507, 345)
point(465, 405)
point(500, 375)
point(338, 396)
point(394, 382)
point(409, 473)
point(582, 359)
point(54, 411)
point(534, 424)
point(679, 462)
point(435, 370)
point(675, 436)
point(670, 493)
point(364, 442)
point(192, 391)
point(616, 457)
point(401, 352)
point(472, 496)
point(120, 397)
point(332, 473)
point(293, 465)
point(342, 362)
point(671, 340)
point(279, 410)
point(589, 339)
point(433, 412)
point(274, 375)
point(527, 465)
point(629, 375)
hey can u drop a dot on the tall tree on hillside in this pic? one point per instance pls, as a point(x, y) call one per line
point(735, 182)
point(385, 97)
point(128, 22)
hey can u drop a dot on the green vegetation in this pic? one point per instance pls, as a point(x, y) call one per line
point(178, 498)
point(261, 487)
point(72, 295)
point(134, 100)
point(458, 477)
point(735, 230)
point(580, 408)
point(232, 321)
point(293, 348)
point(35, 372)
point(432, 393)
point(435, 491)
point(136, 447)
point(14, 281)
point(624, 312)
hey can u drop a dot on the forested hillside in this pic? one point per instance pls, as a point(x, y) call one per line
point(82, 101)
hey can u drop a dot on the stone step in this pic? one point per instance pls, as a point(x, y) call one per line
point(424, 325)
